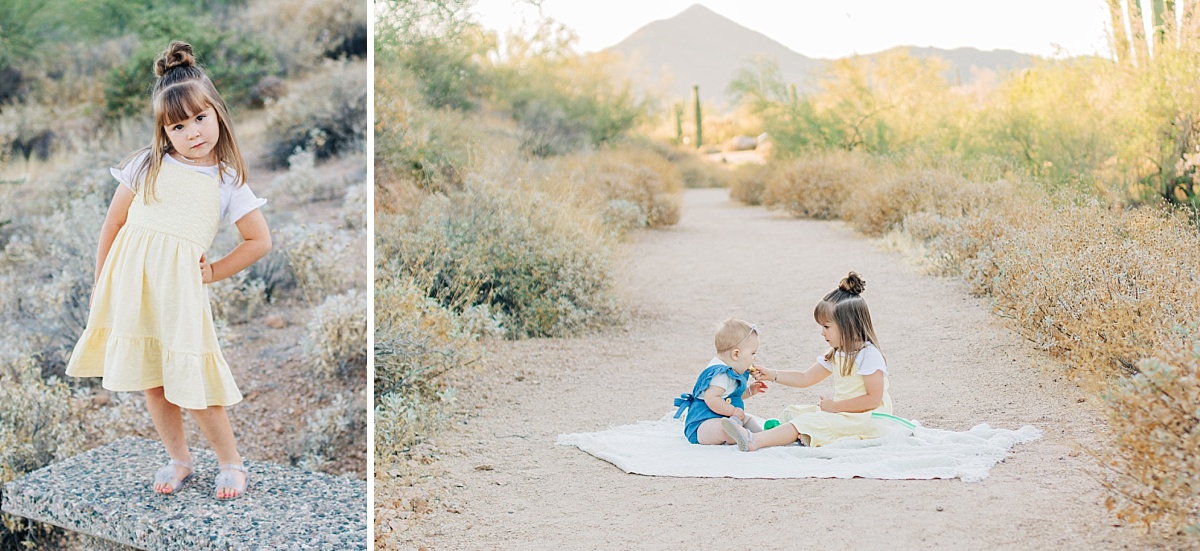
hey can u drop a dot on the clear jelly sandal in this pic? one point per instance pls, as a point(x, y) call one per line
point(168, 474)
point(740, 435)
point(227, 480)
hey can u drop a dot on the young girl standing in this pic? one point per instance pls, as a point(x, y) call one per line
point(860, 379)
point(150, 327)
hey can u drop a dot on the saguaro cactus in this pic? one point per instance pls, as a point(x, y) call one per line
point(678, 108)
point(699, 123)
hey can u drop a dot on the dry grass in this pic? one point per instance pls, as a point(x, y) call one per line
point(818, 186)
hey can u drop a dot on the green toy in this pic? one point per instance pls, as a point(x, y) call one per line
point(770, 423)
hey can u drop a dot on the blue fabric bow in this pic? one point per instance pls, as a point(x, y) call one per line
point(683, 401)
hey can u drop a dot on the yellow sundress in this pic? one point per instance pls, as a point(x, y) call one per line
point(150, 322)
point(823, 427)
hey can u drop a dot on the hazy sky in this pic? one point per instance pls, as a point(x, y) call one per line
point(832, 29)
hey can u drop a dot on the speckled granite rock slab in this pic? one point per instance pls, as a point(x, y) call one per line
point(107, 493)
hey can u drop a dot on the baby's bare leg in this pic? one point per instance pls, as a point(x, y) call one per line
point(168, 422)
point(754, 423)
point(710, 432)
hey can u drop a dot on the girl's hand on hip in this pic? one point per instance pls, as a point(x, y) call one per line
point(828, 404)
point(206, 273)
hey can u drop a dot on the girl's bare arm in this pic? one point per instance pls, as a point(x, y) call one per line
point(118, 212)
point(256, 243)
point(798, 379)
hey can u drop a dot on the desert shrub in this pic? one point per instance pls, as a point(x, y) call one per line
point(354, 207)
point(238, 299)
point(431, 149)
point(630, 187)
point(273, 270)
point(46, 274)
point(332, 429)
point(304, 182)
point(1103, 301)
point(1152, 465)
point(324, 260)
point(301, 32)
point(336, 339)
point(523, 254)
point(699, 173)
point(748, 183)
point(326, 115)
point(440, 45)
point(235, 61)
point(547, 130)
point(818, 186)
point(28, 132)
point(877, 209)
point(40, 423)
point(417, 341)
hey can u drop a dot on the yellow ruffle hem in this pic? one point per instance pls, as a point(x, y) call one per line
point(150, 323)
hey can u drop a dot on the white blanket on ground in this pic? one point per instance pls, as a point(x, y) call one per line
point(658, 448)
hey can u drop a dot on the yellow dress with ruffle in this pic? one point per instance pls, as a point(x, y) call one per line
point(823, 427)
point(150, 323)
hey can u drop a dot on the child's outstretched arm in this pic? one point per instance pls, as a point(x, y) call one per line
point(118, 212)
point(256, 243)
point(858, 404)
point(798, 379)
point(714, 400)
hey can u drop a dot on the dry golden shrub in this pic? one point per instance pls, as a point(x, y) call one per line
point(877, 209)
point(748, 182)
point(818, 186)
point(1099, 287)
point(1153, 466)
point(631, 187)
point(699, 173)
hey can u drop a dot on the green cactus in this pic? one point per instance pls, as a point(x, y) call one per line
point(699, 123)
point(678, 108)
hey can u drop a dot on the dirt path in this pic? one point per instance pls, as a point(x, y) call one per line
point(508, 486)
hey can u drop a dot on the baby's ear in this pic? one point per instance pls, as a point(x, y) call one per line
point(735, 353)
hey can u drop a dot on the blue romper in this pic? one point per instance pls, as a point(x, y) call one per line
point(697, 410)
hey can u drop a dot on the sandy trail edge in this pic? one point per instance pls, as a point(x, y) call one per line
point(953, 365)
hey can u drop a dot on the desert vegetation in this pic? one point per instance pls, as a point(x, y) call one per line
point(73, 102)
point(1066, 192)
point(508, 173)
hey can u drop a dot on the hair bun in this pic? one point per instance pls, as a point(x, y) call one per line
point(853, 284)
point(178, 54)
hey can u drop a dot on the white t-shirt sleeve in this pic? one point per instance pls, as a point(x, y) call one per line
point(828, 365)
point(722, 380)
point(241, 201)
point(870, 360)
point(125, 175)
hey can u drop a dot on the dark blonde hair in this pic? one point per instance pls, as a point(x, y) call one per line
point(182, 88)
point(847, 310)
point(731, 333)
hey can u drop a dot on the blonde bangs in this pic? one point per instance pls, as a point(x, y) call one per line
point(823, 312)
point(179, 101)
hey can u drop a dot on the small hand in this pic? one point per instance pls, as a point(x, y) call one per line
point(739, 414)
point(757, 387)
point(206, 273)
point(828, 404)
point(759, 373)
